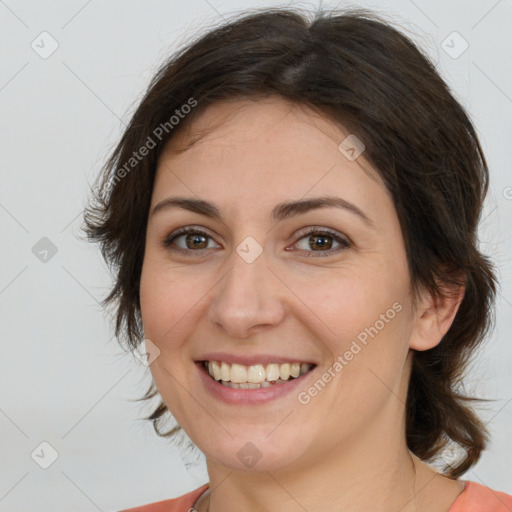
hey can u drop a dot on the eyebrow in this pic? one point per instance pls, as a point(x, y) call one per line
point(280, 212)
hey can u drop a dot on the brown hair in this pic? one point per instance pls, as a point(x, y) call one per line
point(365, 75)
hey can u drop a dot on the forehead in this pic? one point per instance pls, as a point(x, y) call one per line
point(267, 146)
point(244, 120)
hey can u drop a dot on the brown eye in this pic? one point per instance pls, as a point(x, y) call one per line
point(321, 242)
point(191, 239)
point(196, 241)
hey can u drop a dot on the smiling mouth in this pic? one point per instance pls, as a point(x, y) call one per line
point(257, 376)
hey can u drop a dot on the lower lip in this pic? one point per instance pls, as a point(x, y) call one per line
point(249, 396)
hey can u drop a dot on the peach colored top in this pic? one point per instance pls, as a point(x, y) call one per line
point(474, 498)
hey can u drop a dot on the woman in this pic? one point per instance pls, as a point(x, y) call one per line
point(292, 216)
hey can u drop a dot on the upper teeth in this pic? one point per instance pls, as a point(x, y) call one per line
point(256, 373)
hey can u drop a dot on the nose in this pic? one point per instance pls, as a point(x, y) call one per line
point(248, 299)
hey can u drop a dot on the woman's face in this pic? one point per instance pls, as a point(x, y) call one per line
point(327, 285)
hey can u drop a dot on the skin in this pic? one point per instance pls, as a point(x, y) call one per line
point(346, 448)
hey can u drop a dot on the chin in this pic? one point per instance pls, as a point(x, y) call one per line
point(256, 453)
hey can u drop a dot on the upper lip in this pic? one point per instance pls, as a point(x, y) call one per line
point(250, 360)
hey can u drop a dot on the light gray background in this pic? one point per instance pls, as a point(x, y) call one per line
point(64, 380)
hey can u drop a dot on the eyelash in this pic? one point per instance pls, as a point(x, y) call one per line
point(345, 243)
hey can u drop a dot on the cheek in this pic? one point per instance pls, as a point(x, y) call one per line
point(165, 299)
point(346, 303)
point(362, 317)
point(364, 326)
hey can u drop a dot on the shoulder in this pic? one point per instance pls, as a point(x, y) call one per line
point(479, 498)
point(181, 504)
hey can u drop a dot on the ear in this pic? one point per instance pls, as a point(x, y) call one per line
point(434, 316)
